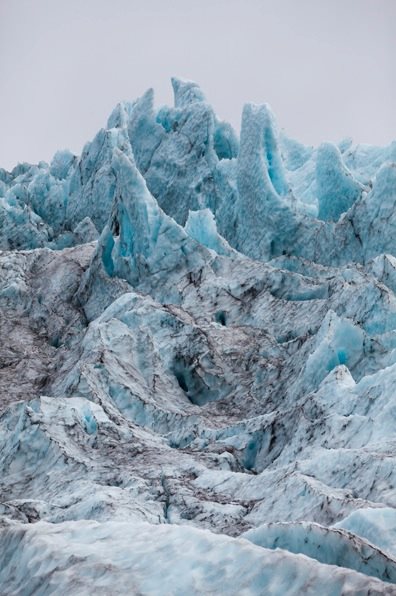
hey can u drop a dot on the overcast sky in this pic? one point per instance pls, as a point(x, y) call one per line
point(327, 67)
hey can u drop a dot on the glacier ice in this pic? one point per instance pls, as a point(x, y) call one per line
point(336, 188)
point(141, 559)
point(377, 526)
point(198, 360)
point(327, 545)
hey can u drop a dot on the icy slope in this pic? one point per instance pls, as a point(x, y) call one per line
point(327, 545)
point(121, 558)
point(198, 353)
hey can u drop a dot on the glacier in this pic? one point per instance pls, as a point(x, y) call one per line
point(198, 361)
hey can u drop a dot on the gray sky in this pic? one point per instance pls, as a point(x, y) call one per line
point(327, 67)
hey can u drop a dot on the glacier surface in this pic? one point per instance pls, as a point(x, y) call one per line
point(198, 361)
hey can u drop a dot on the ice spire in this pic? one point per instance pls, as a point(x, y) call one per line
point(186, 92)
point(337, 190)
